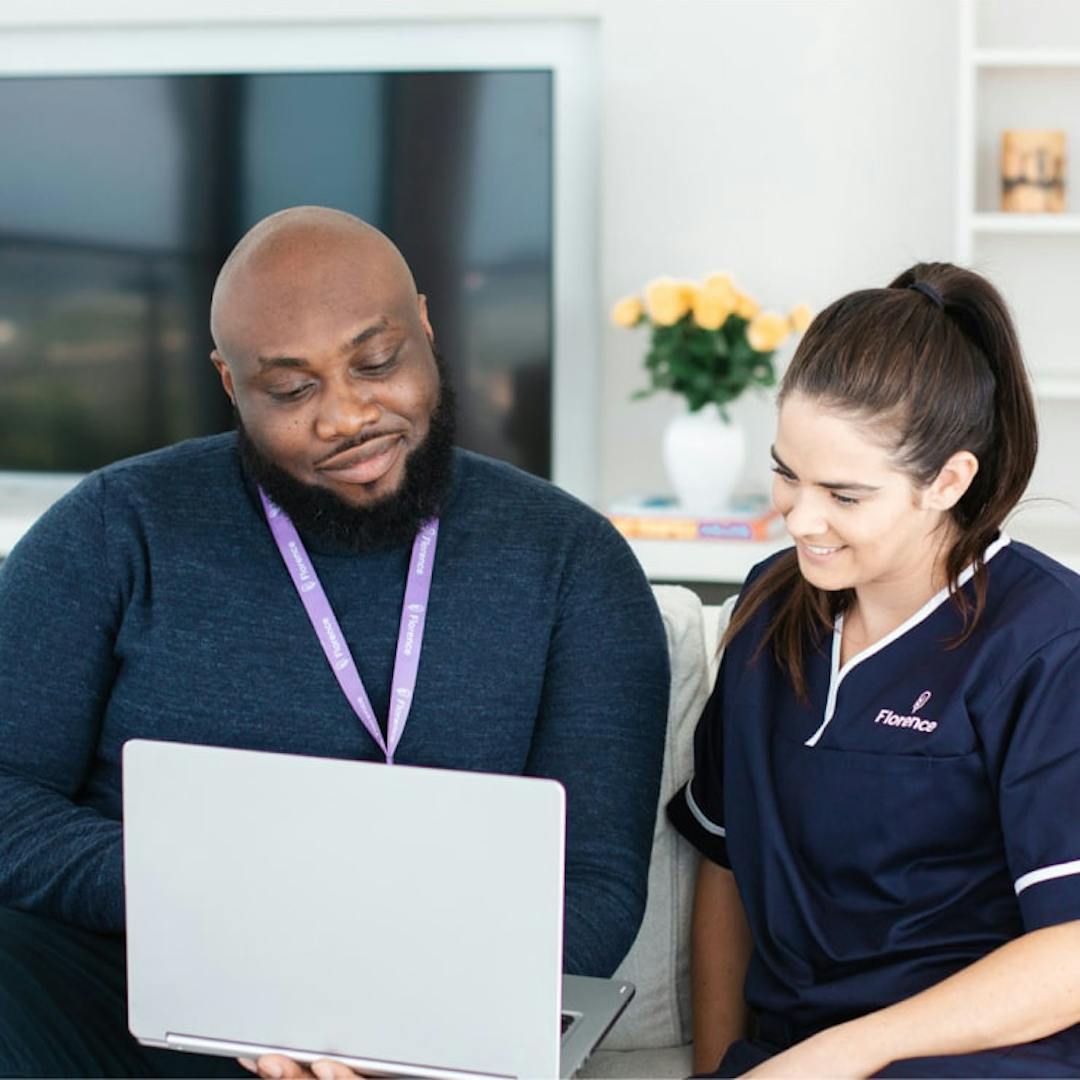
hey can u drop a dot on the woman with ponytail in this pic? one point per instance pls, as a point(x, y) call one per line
point(887, 775)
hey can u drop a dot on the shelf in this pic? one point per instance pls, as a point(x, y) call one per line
point(729, 561)
point(1057, 387)
point(1027, 58)
point(1029, 224)
point(24, 497)
point(726, 561)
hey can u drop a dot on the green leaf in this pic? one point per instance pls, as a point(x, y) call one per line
point(705, 365)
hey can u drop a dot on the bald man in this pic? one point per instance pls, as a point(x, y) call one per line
point(155, 601)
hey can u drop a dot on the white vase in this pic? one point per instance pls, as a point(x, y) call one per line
point(703, 455)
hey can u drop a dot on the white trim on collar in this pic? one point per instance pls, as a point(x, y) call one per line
point(837, 674)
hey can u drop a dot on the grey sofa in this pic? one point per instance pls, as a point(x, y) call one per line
point(652, 1039)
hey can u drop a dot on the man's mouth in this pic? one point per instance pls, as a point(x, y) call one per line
point(366, 463)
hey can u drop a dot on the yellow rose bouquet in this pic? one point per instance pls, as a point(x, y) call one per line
point(709, 341)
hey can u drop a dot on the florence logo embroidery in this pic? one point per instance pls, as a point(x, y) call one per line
point(891, 719)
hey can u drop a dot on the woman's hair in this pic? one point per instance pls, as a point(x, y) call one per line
point(934, 359)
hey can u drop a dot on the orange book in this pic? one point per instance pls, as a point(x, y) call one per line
point(660, 519)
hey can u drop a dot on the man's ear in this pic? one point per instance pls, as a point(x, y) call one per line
point(225, 372)
point(952, 482)
point(425, 322)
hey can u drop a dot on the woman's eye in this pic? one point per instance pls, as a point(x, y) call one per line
point(786, 476)
point(845, 500)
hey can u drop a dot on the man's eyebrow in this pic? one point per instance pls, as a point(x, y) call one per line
point(267, 363)
point(368, 334)
point(829, 485)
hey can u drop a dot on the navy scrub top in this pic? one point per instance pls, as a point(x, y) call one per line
point(920, 810)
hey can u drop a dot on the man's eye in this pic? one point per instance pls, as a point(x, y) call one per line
point(379, 365)
point(290, 394)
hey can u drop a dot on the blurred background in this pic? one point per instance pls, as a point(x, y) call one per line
point(121, 196)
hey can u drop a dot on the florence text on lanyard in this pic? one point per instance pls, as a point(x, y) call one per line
point(323, 621)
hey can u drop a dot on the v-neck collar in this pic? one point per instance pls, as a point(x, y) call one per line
point(838, 673)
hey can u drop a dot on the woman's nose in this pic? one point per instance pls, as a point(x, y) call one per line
point(805, 517)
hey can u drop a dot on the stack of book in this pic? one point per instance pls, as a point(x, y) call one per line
point(660, 518)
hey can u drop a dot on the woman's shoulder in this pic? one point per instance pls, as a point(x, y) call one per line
point(1032, 598)
point(1022, 576)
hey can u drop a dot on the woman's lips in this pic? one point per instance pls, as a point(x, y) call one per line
point(367, 463)
point(819, 552)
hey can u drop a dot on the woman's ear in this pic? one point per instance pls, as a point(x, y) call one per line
point(952, 482)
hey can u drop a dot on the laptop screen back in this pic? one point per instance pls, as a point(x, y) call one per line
point(403, 915)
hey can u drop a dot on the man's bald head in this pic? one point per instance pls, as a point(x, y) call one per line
point(325, 349)
point(295, 261)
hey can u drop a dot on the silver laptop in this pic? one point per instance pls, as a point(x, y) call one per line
point(404, 921)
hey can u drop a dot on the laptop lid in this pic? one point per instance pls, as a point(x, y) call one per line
point(401, 918)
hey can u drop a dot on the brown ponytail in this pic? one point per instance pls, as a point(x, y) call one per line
point(936, 356)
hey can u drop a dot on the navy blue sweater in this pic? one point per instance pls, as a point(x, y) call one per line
point(151, 602)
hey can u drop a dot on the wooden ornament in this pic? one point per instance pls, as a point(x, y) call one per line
point(1033, 171)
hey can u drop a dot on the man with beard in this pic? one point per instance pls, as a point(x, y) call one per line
point(156, 601)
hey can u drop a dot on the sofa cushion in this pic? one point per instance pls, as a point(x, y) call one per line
point(658, 963)
point(669, 1061)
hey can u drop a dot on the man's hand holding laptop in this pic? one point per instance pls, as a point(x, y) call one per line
point(279, 1067)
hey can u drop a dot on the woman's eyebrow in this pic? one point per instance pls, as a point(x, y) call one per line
point(779, 461)
point(830, 485)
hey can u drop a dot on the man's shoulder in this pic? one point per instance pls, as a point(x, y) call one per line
point(495, 489)
point(512, 516)
point(185, 462)
point(145, 496)
point(191, 477)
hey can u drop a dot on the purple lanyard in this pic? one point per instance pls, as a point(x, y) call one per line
point(321, 614)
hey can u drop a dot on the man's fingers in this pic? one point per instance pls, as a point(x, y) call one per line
point(332, 1070)
point(279, 1067)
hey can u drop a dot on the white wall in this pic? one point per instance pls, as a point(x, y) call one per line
point(806, 145)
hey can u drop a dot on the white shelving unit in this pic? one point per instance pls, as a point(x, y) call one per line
point(1024, 58)
point(729, 561)
point(705, 561)
point(1024, 224)
point(1019, 67)
point(24, 497)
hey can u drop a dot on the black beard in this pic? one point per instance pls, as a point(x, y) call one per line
point(392, 521)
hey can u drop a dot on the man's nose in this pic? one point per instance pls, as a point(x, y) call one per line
point(345, 409)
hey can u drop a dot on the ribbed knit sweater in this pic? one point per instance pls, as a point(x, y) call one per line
point(151, 602)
